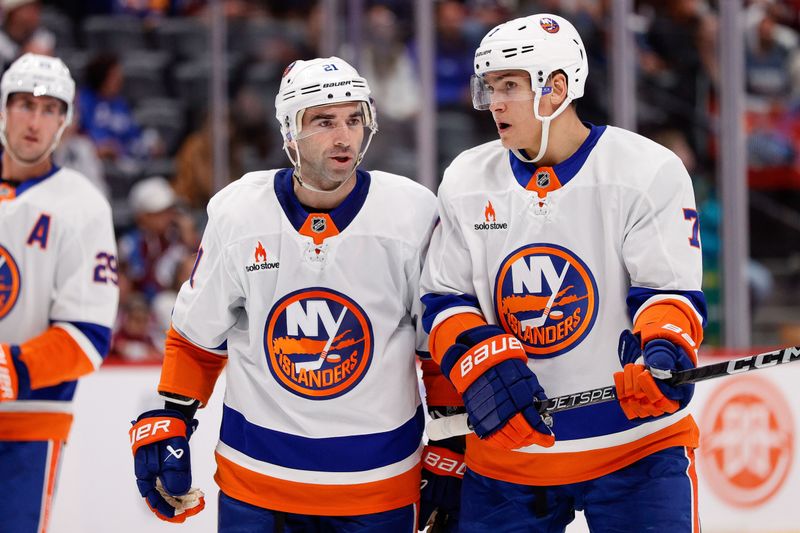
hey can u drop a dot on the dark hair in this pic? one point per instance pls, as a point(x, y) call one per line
point(98, 69)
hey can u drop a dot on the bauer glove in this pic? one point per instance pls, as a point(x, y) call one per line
point(489, 368)
point(161, 457)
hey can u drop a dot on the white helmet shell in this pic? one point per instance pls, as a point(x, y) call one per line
point(539, 44)
point(40, 76)
point(317, 82)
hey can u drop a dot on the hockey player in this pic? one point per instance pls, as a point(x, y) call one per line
point(58, 287)
point(306, 288)
point(567, 258)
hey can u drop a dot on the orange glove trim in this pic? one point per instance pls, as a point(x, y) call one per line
point(154, 429)
point(483, 356)
point(179, 518)
point(443, 462)
point(518, 433)
point(672, 320)
point(638, 394)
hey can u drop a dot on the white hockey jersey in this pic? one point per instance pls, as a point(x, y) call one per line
point(58, 295)
point(317, 314)
point(564, 258)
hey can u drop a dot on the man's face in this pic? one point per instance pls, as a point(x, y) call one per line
point(329, 142)
point(512, 108)
point(31, 124)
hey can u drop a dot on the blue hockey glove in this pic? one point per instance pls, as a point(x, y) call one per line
point(443, 470)
point(640, 395)
point(160, 443)
point(489, 368)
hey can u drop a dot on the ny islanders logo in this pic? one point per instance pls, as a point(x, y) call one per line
point(546, 297)
point(9, 282)
point(318, 343)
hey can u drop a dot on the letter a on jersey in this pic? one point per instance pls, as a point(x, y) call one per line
point(546, 297)
point(318, 343)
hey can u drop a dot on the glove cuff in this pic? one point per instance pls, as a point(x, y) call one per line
point(673, 321)
point(443, 462)
point(462, 368)
point(157, 425)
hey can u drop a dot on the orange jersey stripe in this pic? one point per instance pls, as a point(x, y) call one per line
point(444, 334)
point(25, 426)
point(54, 357)
point(189, 370)
point(544, 469)
point(312, 499)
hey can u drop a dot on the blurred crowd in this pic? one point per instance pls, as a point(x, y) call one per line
point(144, 136)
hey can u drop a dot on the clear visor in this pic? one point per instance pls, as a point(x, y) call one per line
point(498, 90)
point(330, 151)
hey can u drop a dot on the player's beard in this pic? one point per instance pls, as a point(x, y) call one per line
point(326, 176)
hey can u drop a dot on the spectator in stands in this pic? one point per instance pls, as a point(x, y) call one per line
point(194, 167)
point(21, 31)
point(453, 55)
point(678, 64)
point(105, 114)
point(164, 235)
point(78, 152)
point(133, 340)
point(770, 52)
point(386, 61)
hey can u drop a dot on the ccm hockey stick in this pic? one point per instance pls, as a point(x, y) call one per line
point(451, 426)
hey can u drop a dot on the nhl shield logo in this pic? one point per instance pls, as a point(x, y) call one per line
point(542, 179)
point(318, 224)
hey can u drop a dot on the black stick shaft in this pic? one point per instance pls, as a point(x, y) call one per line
point(693, 375)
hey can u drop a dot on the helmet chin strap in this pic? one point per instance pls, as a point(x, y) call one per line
point(545, 126)
point(298, 176)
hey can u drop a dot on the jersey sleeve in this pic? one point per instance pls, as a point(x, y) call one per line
point(414, 274)
point(661, 250)
point(449, 303)
point(209, 302)
point(84, 306)
point(207, 307)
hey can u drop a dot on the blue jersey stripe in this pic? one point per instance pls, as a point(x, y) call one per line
point(63, 392)
point(637, 296)
point(593, 421)
point(99, 336)
point(332, 454)
point(436, 303)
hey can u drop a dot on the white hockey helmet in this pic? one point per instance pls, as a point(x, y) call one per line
point(539, 44)
point(317, 82)
point(40, 76)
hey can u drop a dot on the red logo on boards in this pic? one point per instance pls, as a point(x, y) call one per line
point(747, 441)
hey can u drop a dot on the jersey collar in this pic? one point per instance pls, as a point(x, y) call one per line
point(342, 215)
point(525, 173)
point(27, 184)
